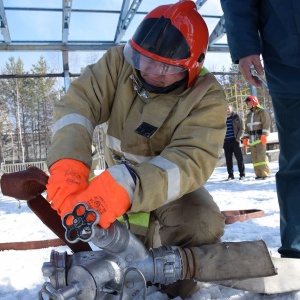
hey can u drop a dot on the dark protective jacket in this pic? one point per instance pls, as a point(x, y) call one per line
point(171, 141)
point(238, 126)
point(278, 23)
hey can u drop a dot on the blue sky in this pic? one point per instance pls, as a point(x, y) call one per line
point(39, 25)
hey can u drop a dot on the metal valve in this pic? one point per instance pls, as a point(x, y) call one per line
point(80, 223)
point(64, 293)
point(260, 77)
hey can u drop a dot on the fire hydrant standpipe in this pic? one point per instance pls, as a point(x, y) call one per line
point(122, 266)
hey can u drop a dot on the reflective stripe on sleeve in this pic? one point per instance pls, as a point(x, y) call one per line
point(266, 131)
point(115, 144)
point(73, 119)
point(173, 173)
point(123, 178)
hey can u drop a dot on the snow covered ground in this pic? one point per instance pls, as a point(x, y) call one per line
point(20, 271)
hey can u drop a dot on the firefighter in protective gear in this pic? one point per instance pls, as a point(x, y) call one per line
point(255, 136)
point(165, 120)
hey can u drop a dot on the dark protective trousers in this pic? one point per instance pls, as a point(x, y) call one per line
point(192, 220)
point(231, 148)
point(287, 114)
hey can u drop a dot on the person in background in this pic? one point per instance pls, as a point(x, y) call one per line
point(255, 137)
point(166, 122)
point(272, 28)
point(232, 143)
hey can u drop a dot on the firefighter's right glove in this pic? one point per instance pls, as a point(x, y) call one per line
point(67, 177)
point(246, 142)
point(263, 139)
point(109, 193)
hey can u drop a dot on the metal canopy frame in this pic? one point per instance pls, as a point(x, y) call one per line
point(129, 10)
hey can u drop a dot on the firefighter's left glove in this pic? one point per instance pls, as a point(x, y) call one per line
point(263, 139)
point(24, 185)
point(109, 193)
point(68, 177)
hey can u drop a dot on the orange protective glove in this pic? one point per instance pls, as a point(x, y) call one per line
point(245, 142)
point(105, 195)
point(263, 139)
point(67, 177)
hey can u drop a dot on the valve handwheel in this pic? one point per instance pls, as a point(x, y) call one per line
point(79, 224)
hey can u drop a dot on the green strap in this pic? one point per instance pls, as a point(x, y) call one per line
point(203, 71)
point(139, 219)
point(255, 143)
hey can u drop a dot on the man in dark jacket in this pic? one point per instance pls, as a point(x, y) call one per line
point(272, 28)
point(232, 143)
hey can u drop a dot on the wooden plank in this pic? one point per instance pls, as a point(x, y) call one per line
point(29, 245)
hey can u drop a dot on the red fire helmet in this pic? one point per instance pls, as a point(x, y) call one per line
point(253, 100)
point(173, 37)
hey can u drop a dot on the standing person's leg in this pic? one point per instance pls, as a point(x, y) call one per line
point(228, 151)
point(262, 163)
point(287, 112)
point(192, 220)
point(239, 158)
point(254, 160)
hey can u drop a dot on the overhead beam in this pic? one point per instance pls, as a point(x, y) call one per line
point(126, 15)
point(200, 3)
point(4, 24)
point(218, 31)
point(51, 75)
point(56, 46)
point(125, 18)
point(214, 35)
point(109, 11)
point(35, 75)
point(218, 48)
point(79, 10)
point(66, 16)
point(66, 69)
point(119, 33)
point(76, 46)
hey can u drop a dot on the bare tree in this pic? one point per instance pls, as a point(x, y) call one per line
point(29, 106)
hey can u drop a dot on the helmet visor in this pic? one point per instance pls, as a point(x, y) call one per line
point(148, 65)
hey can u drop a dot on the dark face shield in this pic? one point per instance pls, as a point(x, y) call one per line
point(148, 65)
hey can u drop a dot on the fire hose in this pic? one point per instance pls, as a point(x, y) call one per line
point(122, 266)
